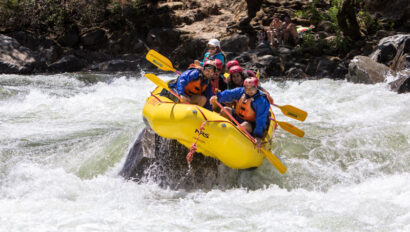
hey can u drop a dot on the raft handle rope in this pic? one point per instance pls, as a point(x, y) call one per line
point(192, 150)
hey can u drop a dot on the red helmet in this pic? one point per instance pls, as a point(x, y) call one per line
point(251, 81)
point(235, 69)
point(218, 64)
point(232, 63)
point(210, 63)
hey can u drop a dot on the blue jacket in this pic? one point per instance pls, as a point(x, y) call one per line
point(260, 105)
point(218, 56)
point(192, 75)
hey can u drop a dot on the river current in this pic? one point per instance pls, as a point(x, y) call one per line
point(64, 138)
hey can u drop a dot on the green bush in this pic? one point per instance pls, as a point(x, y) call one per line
point(53, 16)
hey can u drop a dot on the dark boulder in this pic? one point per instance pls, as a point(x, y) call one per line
point(68, 63)
point(362, 69)
point(15, 58)
point(163, 38)
point(116, 65)
point(387, 48)
point(401, 85)
point(163, 161)
point(71, 37)
point(236, 43)
point(94, 40)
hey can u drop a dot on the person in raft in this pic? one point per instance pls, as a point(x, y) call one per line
point(193, 86)
point(218, 82)
point(251, 110)
point(214, 52)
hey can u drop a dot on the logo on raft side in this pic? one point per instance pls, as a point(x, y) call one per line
point(205, 135)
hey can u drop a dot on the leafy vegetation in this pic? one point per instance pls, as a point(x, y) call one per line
point(53, 16)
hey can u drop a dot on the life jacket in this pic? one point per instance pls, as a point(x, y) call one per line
point(195, 87)
point(244, 109)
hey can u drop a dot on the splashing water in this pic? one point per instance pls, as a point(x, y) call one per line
point(63, 141)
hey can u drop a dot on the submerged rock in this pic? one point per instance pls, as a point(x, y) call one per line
point(153, 158)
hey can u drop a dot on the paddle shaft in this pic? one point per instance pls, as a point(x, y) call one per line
point(237, 123)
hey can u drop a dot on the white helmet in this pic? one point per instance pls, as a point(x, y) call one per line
point(214, 42)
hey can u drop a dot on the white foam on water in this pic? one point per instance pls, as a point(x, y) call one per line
point(62, 143)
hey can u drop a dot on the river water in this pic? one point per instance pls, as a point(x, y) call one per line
point(64, 138)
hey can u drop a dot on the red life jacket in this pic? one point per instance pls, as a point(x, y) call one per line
point(195, 87)
point(244, 109)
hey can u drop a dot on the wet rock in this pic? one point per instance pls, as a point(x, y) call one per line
point(402, 59)
point(116, 65)
point(387, 48)
point(15, 58)
point(26, 39)
point(296, 73)
point(48, 51)
point(401, 85)
point(68, 63)
point(163, 161)
point(362, 69)
point(325, 67)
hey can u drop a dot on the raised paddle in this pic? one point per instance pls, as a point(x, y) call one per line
point(269, 155)
point(160, 61)
point(152, 77)
point(290, 128)
point(165, 64)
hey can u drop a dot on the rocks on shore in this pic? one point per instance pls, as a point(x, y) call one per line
point(391, 57)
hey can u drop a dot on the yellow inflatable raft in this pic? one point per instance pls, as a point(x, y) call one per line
point(219, 138)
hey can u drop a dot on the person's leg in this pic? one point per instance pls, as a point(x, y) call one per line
point(247, 126)
point(294, 32)
point(198, 100)
point(270, 36)
point(229, 110)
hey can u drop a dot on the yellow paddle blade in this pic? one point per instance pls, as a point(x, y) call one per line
point(160, 61)
point(274, 161)
point(293, 112)
point(226, 75)
point(157, 81)
point(291, 129)
point(258, 74)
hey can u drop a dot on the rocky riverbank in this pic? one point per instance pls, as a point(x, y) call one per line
point(181, 29)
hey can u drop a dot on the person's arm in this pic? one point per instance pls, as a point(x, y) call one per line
point(184, 79)
point(203, 60)
point(261, 107)
point(229, 95)
point(220, 57)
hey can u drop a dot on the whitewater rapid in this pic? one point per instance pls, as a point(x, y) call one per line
point(64, 138)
